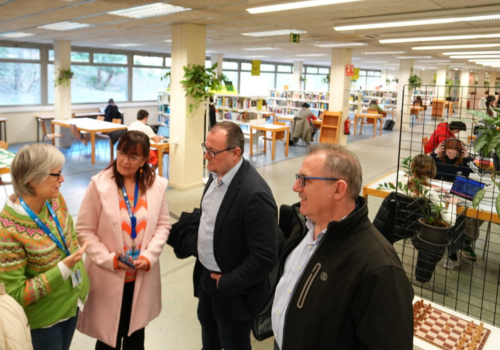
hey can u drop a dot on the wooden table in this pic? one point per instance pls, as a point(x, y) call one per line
point(416, 111)
point(4, 122)
point(449, 105)
point(90, 126)
point(163, 148)
point(274, 129)
point(41, 119)
point(88, 115)
point(374, 117)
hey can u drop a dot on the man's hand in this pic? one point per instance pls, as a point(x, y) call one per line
point(71, 260)
point(216, 276)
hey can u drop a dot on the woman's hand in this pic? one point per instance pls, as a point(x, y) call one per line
point(440, 149)
point(464, 152)
point(120, 265)
point(141, 264)
point(452, 199)
point(74, 258)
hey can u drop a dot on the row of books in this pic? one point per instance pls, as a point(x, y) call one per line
point(163, 119)
point(163, 98)
point(238, 103)
point(164, 109)
point(290, 111)
point(237, 116)
point(299, 95)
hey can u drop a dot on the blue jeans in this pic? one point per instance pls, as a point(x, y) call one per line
point(57, 337)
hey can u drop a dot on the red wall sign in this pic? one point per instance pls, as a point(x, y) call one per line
point(349, 70)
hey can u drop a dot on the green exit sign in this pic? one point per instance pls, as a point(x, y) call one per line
point(294, 38)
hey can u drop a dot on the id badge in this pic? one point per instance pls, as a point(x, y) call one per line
point(76, 278)
point(133, 253)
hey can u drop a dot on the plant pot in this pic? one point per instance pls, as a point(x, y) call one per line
point(433, 234)
point(496, 162)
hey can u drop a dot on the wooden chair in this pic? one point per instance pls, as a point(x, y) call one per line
point(371, 121)
point(101, 118)
point(116, 121)
point(280, 136)
point(78, 137)
point(4, 145)
point(425, 141)
point(47, 136)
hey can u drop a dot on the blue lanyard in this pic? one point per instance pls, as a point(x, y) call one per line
point(45, 228)
point(133, 219)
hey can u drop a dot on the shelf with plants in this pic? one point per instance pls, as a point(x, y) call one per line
point(163, 115)
point(289, 102)
point(243, 110)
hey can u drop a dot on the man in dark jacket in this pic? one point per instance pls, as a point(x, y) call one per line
point(342, 285)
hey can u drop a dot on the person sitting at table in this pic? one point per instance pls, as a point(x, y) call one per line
point(374, 105)
point(419, 103)
point(444, 131)
point(112, 112)
point(305, 112)
point(141, 124)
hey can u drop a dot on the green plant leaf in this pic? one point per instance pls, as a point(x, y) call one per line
point(478, 197)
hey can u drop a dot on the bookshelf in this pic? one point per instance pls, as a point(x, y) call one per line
point(330, 127)
point(289, 102)
point(360, 99)
point(427, 96)
point(163, 115)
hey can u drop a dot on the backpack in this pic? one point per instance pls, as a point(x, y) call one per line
point(389, 124)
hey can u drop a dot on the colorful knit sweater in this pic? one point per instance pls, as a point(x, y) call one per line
point(28, 265)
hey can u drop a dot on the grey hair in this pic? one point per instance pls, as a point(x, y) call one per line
point(33, 163)
point(341, 164)
point(234, 135)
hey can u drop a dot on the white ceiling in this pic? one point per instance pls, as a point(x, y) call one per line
point(225, 20)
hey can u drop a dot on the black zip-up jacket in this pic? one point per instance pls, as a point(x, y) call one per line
point(353, 293)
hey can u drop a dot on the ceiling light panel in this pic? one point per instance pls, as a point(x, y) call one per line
point(451, 47)
point(412, 57)
point(15, 35)
point(152, 10)
point(435, 61)
point(312, 55)
point(384, 53)
point(341, 45)
point(440, 38)
point(275, 32)
point(262, 48)
point(475, 56)
point(471, 53)
point(64, 26)
point(126, 45)
point(296, 5)
point(419, 22)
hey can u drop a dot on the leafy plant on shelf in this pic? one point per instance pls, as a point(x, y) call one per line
point(303, 78)
point(414, 82)
point(395, 80)
point(168, 77)
point(63, 77)
point(449, 85)
point(199, 83)
point(387, 82)
point(488, 141)
point(431, 213)
point(326, 80)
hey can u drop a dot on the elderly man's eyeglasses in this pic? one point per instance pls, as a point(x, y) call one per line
point(213, 153)
point(58, 175)
point(132, 158)
point(302, 179)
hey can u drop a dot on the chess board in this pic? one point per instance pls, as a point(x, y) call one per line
point(446, 331)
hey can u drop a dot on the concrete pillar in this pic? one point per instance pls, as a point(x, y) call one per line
point(405, 71)
point(340, 85)
point(442, 73)
point(383, 78)
point(62, 93)
point(217, 58)
point(186, 129)
point(463, 94)
point(297, 74)
point(493, 79)
point(480, 78)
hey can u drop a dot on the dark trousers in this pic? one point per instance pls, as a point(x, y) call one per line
point(136, 339)
point(428, 257)
point(219, 330)
point(57, 337)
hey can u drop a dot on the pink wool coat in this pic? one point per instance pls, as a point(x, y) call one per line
point(99, 224)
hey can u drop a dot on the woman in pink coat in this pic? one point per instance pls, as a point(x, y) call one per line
point(124, 219)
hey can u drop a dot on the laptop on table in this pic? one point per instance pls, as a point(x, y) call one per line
point(164, 130)
point(466, 188)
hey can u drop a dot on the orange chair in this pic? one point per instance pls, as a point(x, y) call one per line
point(425, 141)
point(45, 134)
point(373, 122)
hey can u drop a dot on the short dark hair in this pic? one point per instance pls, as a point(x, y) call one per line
point(128, 143)
point(111, 100)
point(457, 125)
point(305, 105)
point(142, 114)
point(234, 135)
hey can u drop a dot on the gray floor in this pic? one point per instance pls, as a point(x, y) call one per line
point(177, 327)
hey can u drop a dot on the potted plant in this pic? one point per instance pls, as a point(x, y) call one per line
point(395, 80)
point(387, 82)
point(414, 82)
point(433, 228)
point(326, 80)
point(449, 85)
point(63, 77)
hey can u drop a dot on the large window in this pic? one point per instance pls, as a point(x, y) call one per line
point(315, 78)
point(147, 81)
point(368, 79)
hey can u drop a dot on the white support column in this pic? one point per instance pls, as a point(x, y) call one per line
point(217, 58)
point(62, 93)
point(297, 74)
point(493, 79)
point(464, 90)
point(405, 71)
point(480, 78)
point(442, 73)
point(340, 86)
point(186, 129)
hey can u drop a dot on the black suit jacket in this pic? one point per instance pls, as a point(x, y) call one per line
point(245, 242)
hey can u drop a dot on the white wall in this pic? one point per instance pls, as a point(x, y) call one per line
point(427, 76)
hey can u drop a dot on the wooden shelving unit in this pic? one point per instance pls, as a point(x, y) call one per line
point(330, 127)
point(289, 102)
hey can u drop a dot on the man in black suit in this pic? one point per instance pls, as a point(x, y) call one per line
point(111, 112)
point(236, 243)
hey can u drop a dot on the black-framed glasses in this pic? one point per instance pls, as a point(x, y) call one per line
point(213, 153)
point(132, 158)
point(58, 175)
point(302, 179)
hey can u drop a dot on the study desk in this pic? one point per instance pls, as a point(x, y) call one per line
point(41, 119)
point(416, 111)
point(6, 158)
point(3, 121)
point(273, 128)
point(163, 148)
point(88, 125)
point(88, 115)
point(374, 117)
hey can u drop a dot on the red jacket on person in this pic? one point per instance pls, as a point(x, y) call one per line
point(439, 135)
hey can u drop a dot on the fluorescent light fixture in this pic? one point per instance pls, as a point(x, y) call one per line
point(341, 45)
point(375, 62)
point(412, 57)
point(313, 55)
point(392, 64)
point(256, 56)
point(151, 10)
point(435, 61)
point(168, 40)
point(15, 35)
point(383, 53)
point(471, 53)
point(418, 22)
point(126, 45)
point(296, 5)
point(262, 48)
point(451, 47)
point(455, 68)
point(476, 56)
point(440, 38)
point(484, 61)
point(275, 32)
point(64, 26)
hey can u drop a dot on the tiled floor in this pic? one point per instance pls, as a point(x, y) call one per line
point(177, 326)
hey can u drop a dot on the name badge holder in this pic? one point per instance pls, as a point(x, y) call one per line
point(133, 220)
